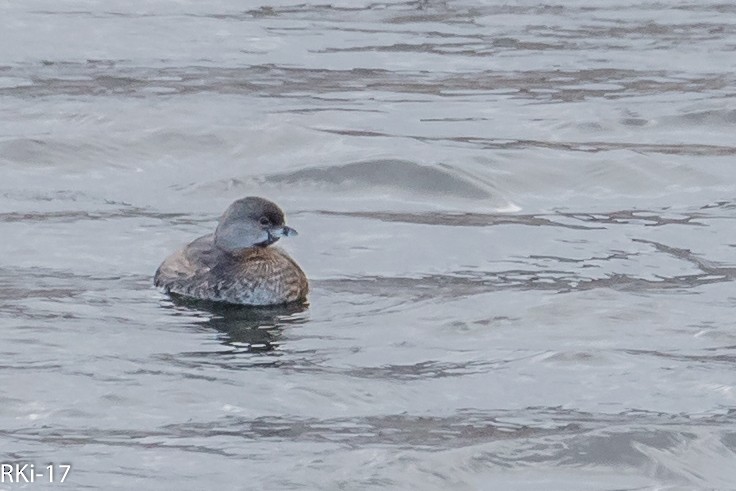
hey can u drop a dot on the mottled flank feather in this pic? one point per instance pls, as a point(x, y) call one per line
point(253, 276)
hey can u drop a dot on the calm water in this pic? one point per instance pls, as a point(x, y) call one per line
point(518, 220)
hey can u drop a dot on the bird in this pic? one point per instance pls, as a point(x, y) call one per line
point(238, 264)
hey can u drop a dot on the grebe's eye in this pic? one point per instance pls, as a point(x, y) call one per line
point(265, 221)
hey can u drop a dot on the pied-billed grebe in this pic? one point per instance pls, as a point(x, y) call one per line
point(236, 264)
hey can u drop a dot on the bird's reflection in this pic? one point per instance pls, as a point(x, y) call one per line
point(249, 329)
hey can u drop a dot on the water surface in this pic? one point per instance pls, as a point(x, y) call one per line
point(517, 220)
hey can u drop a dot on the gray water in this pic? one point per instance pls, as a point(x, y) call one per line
point(517, 219)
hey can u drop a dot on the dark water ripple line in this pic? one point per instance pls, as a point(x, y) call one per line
point(32, 366)
point(69, 216)
point(452, 13)
point(691, 149)
point(428, 11)
point(543, 426)
point(464, 284)
point(648, 218)
point(22, 274)
point(728, 358)
point(457, 219)
point(489, 48)
point(319, 10)
point(399, 430)
point(293, 362)
point(707, 267)
point(425, 370)
point(650, 30)
point(231, 359)
point(57, 195)
point(120, 438)
point(118, 77)
point(99, 14)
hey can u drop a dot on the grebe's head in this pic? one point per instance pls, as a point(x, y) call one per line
point(251, 222)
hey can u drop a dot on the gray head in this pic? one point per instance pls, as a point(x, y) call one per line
point(250, 222)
